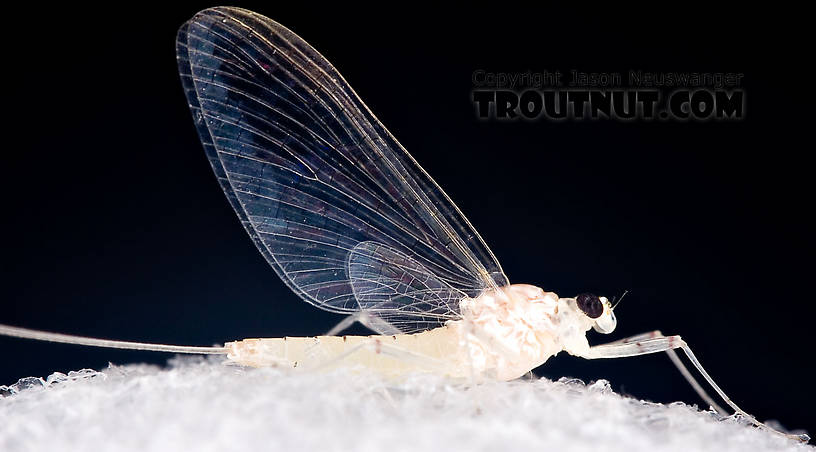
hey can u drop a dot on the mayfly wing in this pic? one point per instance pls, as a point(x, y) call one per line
point(398, 288)
point(322, 187)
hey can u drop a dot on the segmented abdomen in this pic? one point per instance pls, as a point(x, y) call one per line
point(437, 350)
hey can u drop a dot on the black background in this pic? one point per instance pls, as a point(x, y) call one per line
point(114, 226)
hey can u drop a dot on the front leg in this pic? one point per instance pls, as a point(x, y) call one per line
point(654, 342)
point(642, 344)
point(677, 363)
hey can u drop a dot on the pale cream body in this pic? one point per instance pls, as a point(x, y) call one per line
point(503, 334)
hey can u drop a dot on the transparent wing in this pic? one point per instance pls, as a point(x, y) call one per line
point(320, 185)
point(399, 289)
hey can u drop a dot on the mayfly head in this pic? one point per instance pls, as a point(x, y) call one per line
point(599, 309)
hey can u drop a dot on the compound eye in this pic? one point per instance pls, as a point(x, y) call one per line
point(590, 304)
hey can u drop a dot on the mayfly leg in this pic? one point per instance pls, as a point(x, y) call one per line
point(372, 322)
point(680, 366)
point(369, 321)
point(647, 343)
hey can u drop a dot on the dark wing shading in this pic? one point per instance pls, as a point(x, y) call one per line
point(320, 185)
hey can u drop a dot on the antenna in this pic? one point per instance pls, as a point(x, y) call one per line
point(621, 299)
point(25, 333)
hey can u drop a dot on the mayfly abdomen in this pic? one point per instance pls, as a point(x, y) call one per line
point(389, 355)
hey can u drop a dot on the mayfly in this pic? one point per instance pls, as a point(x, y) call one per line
point(353, 225)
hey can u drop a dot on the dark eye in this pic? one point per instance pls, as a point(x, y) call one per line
point(590, 304)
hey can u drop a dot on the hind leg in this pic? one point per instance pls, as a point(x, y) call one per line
point(369, 321)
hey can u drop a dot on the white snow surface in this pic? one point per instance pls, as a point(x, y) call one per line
point(198, 404)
